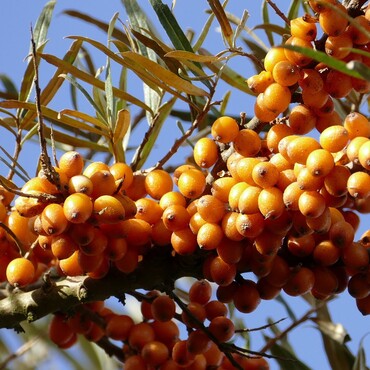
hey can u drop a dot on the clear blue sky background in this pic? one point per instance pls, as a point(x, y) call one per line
point(15, 20)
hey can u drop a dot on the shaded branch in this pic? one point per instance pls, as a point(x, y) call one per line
point(72, 291)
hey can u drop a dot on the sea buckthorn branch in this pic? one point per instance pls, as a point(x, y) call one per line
point(70, 292)
point(46, 166)
point(278, 12)
point(307, 316)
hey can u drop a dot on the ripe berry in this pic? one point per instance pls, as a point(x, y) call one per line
point(20, 272)
point(224, 129)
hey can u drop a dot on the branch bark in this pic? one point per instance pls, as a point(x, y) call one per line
point(158, 267)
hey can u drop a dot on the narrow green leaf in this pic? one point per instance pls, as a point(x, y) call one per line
point(171, 26)
point(139, 21)
point(286, 359)
point(4, 122)
point(52, 86)
point(224, 102)
point(320, 56)
point(83, 117)
point(42, 24)
point(165, 75)
point(14, 165)
point(173, 29)
point(52, 115)
point(117, 33)
point(241, 25)
point(293, 9)
point(67, 68)
point(143, 152)
point(8, 84)
point(203, 34)
point(224, 23)
point(266, 20)
point(334, 331)
point(108, 86)
point(271, 28)
point(289, 311)
point(359, 67)
point(229, 75)
point(339, 355)
point(122, 125)
point(74, 82)
point(360, 361)
point(187, 55)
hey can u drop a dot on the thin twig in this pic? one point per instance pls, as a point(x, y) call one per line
point(198, 120)
point(19, 352)
point(247, 330)
point(14, 237)
point(278, 12)
point(305, 317)
point(46, 165)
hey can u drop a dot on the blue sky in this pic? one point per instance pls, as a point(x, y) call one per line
point(15, 20)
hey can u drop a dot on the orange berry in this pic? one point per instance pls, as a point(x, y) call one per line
point(119, 326)
point(70, 266)
point(300, 282)
point(228, 225)
point(258, 83)
point(137, 188)
point(338, 84)
point(20, 272)
point(192, 183)
point(270, 202)
point(158, 183)
point(311, 204)
point(184, 242)
point(320, 162)
point(205, 152)
point(262, 112)
point(222, 273)
point(122, 174)
point(358, 185)
point(108, 209)
point(154, 353)
point(224, 129)
point(334, 138)
point(103, 183)
point(275, 134)
point(170, 198)
point(364, 155)
point(326, 253)
point(285, 73)
point(248, 200)
point(294, 56)
point(140, 334)
point(175, 217)
point(299, 148)
point(209, 236)
point(246, 297)
point(163, 308)
point(302, 29)
point(59, 331)
point(356, 125)
point(273, 56)
point(148, 210)
point(338, 46)
point(71, 163)
point(222, 328)
point(53, 220)
point(265, 174)
point(302, 119)
point(332, 21)
point(311, 80)
point(336, 180)
point(78, 208)
point(247, 143)
point(63, 246)
point(210, 208)
point(277, 98)
point(80, 184)
point(221, 188)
